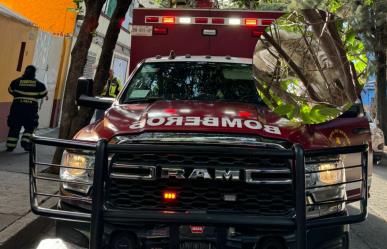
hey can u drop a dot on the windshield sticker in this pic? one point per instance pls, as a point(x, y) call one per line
point(206, 122)
point(139, 94)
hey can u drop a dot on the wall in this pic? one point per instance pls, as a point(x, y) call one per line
point(13, 34)
point(47, 60)
point(122, 50)
point(61, 81)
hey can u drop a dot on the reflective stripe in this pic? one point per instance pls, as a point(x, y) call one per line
point(31, 93)
point(26, 140)
point(10, 90)
point(12, 139)
point(27, 134)
point(9, 145)
point(28, 99)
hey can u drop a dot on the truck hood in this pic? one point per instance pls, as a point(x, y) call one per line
point(199, 117)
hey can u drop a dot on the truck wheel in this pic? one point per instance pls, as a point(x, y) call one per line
point(377, 160)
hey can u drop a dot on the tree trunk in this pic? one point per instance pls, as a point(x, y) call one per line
point(70, 112)
point(324, 28)
point(109, 44)
point(382, 90)
point(102, 74)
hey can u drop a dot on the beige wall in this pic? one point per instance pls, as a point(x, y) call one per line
point(12, 33)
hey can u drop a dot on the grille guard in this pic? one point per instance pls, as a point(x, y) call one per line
point(99, 214)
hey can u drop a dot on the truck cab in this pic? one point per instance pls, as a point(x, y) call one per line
point(189, 156)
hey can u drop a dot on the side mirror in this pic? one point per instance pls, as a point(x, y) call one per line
point(85, 97)
point(352, 112)
point(85, 87)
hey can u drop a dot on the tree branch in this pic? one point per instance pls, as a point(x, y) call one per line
point(292, 65)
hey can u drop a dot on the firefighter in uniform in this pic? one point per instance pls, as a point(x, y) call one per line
point(26, 91)
point(112, 87)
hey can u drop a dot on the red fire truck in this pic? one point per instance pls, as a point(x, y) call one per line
point(189, 156)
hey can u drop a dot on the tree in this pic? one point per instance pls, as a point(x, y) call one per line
point(348, 39)
point(256, 4)
point(380, 11)
point(71, 115)
point(109, 44)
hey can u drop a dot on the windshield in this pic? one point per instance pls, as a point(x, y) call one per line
point(193, 81)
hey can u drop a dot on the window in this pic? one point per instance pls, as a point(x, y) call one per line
point(110, 6)
point(21, 56)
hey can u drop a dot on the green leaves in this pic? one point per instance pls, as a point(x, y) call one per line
point(286, 110)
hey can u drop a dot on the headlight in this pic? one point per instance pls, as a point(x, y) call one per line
point(322, 174)
point(323, 181)
point(79, 169)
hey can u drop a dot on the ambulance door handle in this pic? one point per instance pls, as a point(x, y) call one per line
point(360, 131)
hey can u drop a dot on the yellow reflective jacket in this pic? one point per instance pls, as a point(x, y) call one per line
point(112, 88)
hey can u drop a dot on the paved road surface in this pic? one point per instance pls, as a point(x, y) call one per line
point(372, 234)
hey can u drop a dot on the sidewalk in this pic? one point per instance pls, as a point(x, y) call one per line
point(15, 214)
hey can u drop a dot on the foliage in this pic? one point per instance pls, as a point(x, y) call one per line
point(258, 4)
point(79, 5)
point(356, 24)
point(298, 70)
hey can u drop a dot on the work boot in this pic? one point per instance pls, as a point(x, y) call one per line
point(26, 146)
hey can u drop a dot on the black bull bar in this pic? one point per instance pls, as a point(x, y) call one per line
point(101, 214)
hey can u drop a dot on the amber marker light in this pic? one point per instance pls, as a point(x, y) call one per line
point(169, 196)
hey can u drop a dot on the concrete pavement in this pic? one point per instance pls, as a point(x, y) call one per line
point(15, 214)
point(371, 234)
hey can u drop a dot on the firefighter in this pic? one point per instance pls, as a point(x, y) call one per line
point(112, 87)
point(26, 91)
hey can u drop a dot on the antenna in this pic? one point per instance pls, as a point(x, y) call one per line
point(172, 55)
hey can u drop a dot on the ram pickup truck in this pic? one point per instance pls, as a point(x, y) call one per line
point(189, 156)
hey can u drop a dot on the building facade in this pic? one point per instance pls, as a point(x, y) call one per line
point(17, 49)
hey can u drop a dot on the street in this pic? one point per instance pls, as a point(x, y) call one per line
point(370, 234)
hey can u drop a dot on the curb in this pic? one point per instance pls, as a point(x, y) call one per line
point(26, 230)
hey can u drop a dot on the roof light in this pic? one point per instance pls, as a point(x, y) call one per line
point(185, 20)
point(201, 20)
point(266, 22)
point(217, 20)
point(160, 31)
point(230, 112)
point(251, 22)
point(170, 111)
point(169, 196)
point(234, 21)
point(169, 19)
point(152, 19)
point(244, 114)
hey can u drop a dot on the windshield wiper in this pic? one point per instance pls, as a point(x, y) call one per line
point(143, 100)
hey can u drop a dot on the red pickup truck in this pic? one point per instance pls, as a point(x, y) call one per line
point(189, 156)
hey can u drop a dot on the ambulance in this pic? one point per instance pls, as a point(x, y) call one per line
point(189, 156)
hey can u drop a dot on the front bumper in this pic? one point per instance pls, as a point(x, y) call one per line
point(335, 237)
point(102, 217)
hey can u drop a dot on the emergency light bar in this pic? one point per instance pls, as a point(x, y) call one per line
point(234, 21)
